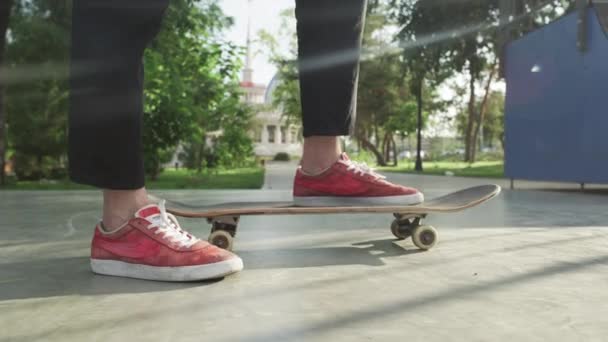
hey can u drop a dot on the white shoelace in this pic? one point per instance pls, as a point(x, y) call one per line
point(363, 169)
point(171, 229)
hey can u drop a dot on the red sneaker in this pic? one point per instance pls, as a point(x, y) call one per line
point(153, 246)
point(350, 183)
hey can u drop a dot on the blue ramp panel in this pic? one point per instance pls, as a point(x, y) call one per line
point(556, 110)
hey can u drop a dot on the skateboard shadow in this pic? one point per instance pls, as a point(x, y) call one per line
point(42, 278)
point(370, 253)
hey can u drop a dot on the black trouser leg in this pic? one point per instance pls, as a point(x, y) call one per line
point(106, 100)
point(329, 46)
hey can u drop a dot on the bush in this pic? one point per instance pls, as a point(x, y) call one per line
point(490, 156)
point(59, 173)
point(212, 160)
point(234, 148)
point(363, 156)
point(281, 156)
point(30, 168)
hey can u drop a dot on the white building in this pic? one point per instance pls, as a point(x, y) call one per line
point(272, 134)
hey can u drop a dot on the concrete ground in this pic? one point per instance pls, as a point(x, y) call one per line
point(530, 265)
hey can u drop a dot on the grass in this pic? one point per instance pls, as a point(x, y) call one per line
point(242, 178)
point(483, 169)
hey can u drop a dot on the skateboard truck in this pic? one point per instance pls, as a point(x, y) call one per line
point(406, 225)
point(223, 230)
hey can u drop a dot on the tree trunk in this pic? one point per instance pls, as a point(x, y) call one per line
point(376, 137)
point(199, 158)
point(482, 112)
point(468, 139)
point(418, 166)
point(410, 146)
point(366, 144)
point(156, 172)
point(385, 146)
point(5, 12)
point(39, 166)
point(394, 151)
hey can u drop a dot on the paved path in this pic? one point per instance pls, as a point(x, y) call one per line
point(530, 265)
point(279, 175)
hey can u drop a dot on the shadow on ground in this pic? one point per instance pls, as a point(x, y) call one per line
point(41, 278)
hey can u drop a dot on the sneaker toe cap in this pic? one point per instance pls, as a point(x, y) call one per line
point(211, 254)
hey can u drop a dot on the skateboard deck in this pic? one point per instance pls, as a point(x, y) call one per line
point(224, 217)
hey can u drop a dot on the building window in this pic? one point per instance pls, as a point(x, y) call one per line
point(257, 134)
point(271, 133)
point(283, 134)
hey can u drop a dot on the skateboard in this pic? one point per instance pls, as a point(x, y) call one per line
point(224, 217)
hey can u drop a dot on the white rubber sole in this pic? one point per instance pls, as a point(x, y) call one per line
point(183, 273)
point(327, 201)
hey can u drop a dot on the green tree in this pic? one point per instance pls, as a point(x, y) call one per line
point(37, 94)
point(469, 51)
point(234, 147)
point(286, 95)
point(493, 124)
point(381, 90)
point(191, 81)
point(467, 37)
point(5, 12)
point(424, 59)
point(384, 98)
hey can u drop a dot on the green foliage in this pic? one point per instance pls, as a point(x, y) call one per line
point(363, 156)
point(37, 94)
point(493, 126)
point(192, 76)
point(494, 123)
point(241, 178)
point(455, 36)
point(391, 85)
point(386, 104)
point(191, 85)
point(192, 88)
point(234, 147)
point(466, 32)
point(5, 12)
point(237, 178)
point(383, 91)
point(286, 95)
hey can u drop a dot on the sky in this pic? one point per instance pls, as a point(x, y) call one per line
point(264, 15)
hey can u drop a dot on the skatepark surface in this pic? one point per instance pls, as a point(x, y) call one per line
point(530, 265)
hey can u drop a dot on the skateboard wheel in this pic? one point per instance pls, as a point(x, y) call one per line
point(221, 239)
point(400, 230)
point(424, 237)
